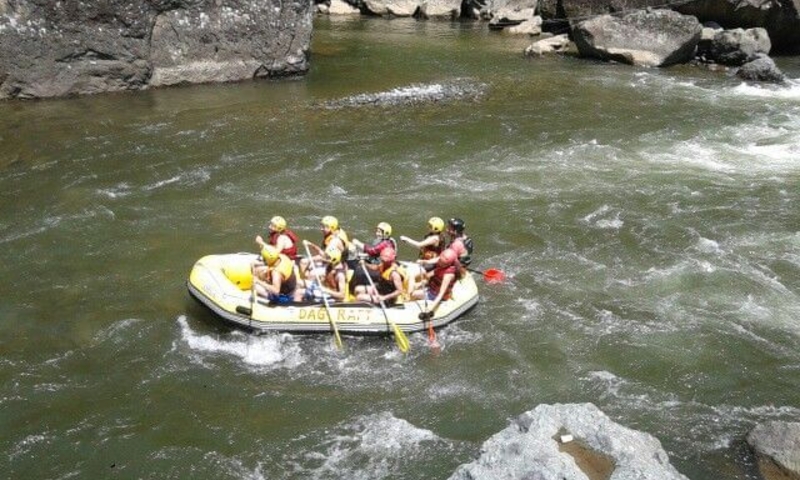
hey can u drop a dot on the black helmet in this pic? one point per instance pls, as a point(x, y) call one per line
point(457, 224)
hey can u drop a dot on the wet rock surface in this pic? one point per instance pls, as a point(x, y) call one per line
point(565, 442)
point(65, 48)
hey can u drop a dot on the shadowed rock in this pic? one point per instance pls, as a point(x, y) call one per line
point(65, 48)
point(762, 69)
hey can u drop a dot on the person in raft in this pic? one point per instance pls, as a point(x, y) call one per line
point(276, 282)
point(433, 243)
point(280, 237)
point(459, 241)
point(335, 280)
point(383, 240)
point(391, 284)
point(441, 281)
point(332, 236)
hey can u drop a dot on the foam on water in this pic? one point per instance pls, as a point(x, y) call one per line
point(369, 447)
point(272, 351)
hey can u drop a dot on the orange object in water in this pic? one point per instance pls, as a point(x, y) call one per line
point(493, 276)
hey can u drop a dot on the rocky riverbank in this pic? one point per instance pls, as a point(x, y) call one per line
point(54, 49)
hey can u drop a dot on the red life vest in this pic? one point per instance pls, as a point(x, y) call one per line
point(290, 252)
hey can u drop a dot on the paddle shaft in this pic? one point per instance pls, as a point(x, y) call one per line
point(402, 341)
point(336, 337)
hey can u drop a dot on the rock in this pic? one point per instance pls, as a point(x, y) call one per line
point(531, 27)
point(66, 48)
point(509, 13)
point(340, 7)
point(440, 9)
point(780, 18)
point(403, 8)
point(762, 69)
point(554, 44)
point(656, 38)
point(777, 446)
point(737, 47)
point(530, 449)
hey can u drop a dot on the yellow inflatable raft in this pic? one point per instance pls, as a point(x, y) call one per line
point(223, 284)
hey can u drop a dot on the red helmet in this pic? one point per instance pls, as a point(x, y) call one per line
point(447, 257)
point(388, 255)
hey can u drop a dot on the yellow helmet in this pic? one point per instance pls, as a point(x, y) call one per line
point(334, 255)
point(436, 224)
point(330, 222)
point(386, 229)
point(270, 254)
point(278, 223)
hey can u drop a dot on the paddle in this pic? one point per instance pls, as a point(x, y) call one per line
point(399, 337)
point(336, 337)
point(490, 275)
point(432, 340)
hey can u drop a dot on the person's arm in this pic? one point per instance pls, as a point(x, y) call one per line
point(260, 241)
point(397, 280)
point(431, 241)
point(446, 281)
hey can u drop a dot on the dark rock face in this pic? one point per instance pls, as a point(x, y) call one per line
point(780, 18)
point(56, 48)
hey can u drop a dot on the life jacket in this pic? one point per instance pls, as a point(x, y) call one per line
point(385, 279)
point(285, 269)
point(435, 283)
point(433, 251)
point(341, 235)
point(463, 246)
point(290, 252)
point(374, 250)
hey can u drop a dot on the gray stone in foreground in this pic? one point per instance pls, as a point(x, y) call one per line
point(777, 446)
point(527, 448)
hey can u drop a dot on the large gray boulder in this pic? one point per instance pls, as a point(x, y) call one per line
point(780, 18)
point(656, 38)
point(777, 446)
point(52, 48)
point(533, 447)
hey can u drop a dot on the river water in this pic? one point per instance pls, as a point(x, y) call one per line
point(646, 219)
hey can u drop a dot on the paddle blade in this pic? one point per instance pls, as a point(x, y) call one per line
point(400, 338)
point(337, 339)
point(432, 340)
point(493, 275)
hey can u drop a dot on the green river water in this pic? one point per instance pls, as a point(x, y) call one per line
point(647, 220)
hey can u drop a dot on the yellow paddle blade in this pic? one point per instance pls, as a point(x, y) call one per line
point(400, 338)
